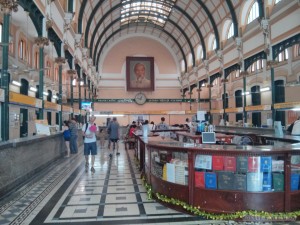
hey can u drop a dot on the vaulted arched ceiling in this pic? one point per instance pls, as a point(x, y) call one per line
point(181, 24)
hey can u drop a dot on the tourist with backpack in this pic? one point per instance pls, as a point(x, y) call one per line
point(67, 136)
point(90, 130)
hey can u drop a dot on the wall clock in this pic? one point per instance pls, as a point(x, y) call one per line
point(140, 98)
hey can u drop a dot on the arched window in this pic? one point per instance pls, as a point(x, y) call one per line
point(296, 51)
point(56, 74)
point(279, 98)
point(74, 82)
point(225, 100)
point(283, 56)
point(238, 103)
point(22, 46)
point(230, 31)
point(216, 82)
point(190, 60)
point(254, 13)
point(214, 46)
point(48, 71)
point(199, 53)
point(36, 60)
point(1, 29)
point(256, 100)
point(182, 66)
point(257, 65)
point(24, 87)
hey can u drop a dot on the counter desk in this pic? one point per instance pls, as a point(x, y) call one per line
point(224, 178)
point(21, 158)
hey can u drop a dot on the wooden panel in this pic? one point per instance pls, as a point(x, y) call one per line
point(231, 201)
point(177, 191)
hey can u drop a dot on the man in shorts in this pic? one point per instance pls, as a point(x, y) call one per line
point(114, 134)
point(90, 142)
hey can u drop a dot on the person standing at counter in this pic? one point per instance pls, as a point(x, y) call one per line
point(294, 128)
point(90, 142)
point(162, 125)
point(74, 136)
point(113, 128)
point(67, 136)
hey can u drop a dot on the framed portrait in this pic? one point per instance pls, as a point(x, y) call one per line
point(140, 73)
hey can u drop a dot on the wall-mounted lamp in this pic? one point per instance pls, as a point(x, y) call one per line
point(55, 97)
point(16, 83)
point(81, 83)
point(246, 93)
point(265, 89)
point(45, 93)
point(33, 89)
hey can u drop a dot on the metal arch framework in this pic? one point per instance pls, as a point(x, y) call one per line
point(173, 23)
point(212, 23)
point(96, 59)
point(80, 16)
point(229, 3)
point(56, 41)
point(119, 5)
point(34, 13)
point(120, 29)
point(234, 19)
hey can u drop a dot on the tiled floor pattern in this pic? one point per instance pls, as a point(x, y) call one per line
point(65, 194)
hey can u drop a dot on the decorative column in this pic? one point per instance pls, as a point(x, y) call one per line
point(206, 66)
point(243, 73)
point(60, 61)
point(223, 80)
point(41, 42)
point(7, 7)
point(79, 73)
point(73, 75)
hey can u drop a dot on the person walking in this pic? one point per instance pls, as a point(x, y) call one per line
point(90, 143)
point(113, 127)
point(74, 136)
point(102, 136)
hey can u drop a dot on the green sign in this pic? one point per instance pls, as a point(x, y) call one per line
point(129, 100)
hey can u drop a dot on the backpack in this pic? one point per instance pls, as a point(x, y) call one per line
point(67, 134)
point(86, 127)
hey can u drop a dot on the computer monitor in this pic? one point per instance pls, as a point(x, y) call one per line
point(208, 137)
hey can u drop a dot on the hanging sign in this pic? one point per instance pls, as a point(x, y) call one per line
point(287, 105)
point(21, 99)
point(258, 108)
point(234, 110)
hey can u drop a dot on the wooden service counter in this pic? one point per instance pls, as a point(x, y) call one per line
point(225, 138)
point(225, 178)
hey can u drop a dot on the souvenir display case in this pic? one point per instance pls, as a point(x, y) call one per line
point(225, 178)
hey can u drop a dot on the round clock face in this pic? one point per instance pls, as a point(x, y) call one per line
point(140, 99)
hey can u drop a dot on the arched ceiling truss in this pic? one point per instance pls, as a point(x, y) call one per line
point(182, 25)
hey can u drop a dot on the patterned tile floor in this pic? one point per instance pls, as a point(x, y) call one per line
point(65, 194)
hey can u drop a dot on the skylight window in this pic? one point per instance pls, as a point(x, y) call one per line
point(156, 12)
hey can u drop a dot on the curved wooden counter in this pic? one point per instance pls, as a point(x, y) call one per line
point(160, 154)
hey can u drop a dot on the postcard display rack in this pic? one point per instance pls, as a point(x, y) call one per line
point(226, 179)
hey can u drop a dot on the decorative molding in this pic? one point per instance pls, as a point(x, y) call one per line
point(41, 41)
point(60, 60)
point(8, 6)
